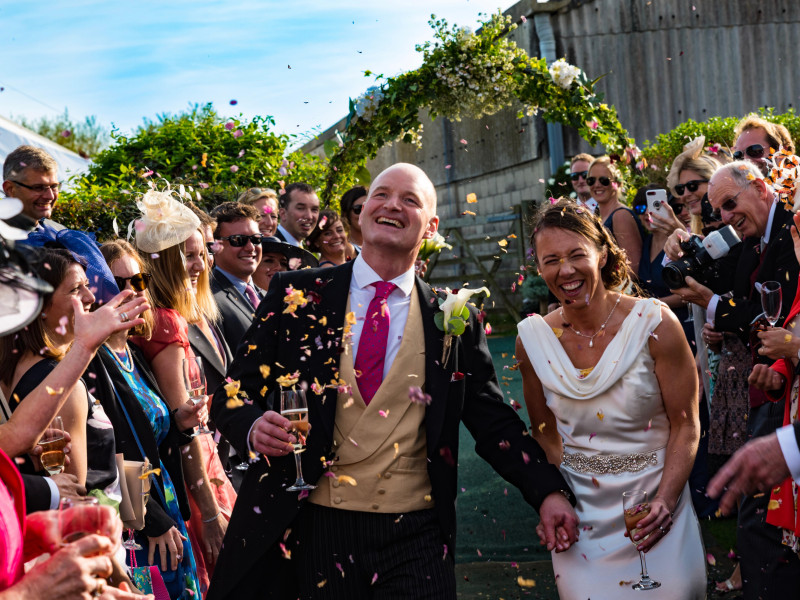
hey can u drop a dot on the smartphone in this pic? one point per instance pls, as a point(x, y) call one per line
point(656, 201)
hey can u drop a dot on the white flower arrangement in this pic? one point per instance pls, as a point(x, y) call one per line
point(563, 73)
point(367, 104)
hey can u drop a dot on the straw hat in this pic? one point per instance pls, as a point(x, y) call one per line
point(165, 221)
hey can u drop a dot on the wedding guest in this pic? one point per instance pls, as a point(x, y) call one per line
point(298, 212)
point(606, 184)
point(146, 429)
point(278, 256)
point(166, 226)
point(351, 203)
point(600, 387)
point(579, 172)
point(207, 226)
point(329, 239)
point(265, 201)
point(31, 175)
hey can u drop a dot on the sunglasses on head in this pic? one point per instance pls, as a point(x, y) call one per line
point(754, 151)
point(139, 282)
point(604, 181)
point(689, 185)
point(238, 241)
point(357, 209)
point(575, 175)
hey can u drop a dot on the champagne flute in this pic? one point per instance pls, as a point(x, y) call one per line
point(53, 443)
point(78, 517)
point(636, 507)
point(195, 381)
point(771, 301)
point(295, 408)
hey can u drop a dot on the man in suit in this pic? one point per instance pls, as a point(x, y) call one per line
point(382, 453)
point(234, 264)
point(299, 212)
point(745, 201)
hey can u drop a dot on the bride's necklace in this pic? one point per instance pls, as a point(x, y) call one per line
point(128, 368)
point(596, 333)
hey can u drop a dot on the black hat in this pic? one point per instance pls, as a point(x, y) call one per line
point(290, 251)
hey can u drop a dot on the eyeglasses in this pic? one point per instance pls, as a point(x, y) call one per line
point(357, 209)
point(39, 188)
point(604, 181)
point(689, 185)
point(575, 175)
point(640, 209)
point(212, 247)
point(139, 282)
point(730, 204)
point(237, 241)
point(754, 151)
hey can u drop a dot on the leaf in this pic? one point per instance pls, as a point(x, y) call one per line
point(438, 320)
point(457, 326)
point(363, 176)
point(331, 147)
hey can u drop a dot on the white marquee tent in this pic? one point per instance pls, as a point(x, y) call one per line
point(13, 136)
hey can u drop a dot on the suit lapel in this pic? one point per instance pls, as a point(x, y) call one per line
point(235, 298)
point(203, 347)
point(437, 377)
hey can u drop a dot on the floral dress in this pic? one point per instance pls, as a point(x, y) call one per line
point(182, 583)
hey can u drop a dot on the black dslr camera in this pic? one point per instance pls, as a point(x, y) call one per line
point(698, 256)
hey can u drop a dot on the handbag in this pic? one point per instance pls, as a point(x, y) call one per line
point(135, 488)
point(148, 580)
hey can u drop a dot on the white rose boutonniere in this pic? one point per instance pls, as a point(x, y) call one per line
point(453, 316)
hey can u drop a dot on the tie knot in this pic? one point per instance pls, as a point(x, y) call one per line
point(384, 288)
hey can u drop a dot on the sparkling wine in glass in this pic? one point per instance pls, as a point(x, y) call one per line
point(195, 381)
point(53, 443)
point(636, 507)
point(771, 301)
point(78, 517)
point(295, 408)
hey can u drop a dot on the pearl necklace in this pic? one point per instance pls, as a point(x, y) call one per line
point(602, 327)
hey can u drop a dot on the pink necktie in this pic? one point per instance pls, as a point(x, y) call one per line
point(252, 296)
point(372, 345)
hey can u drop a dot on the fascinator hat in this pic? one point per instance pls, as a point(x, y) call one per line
point(165, 221)
point(693, 152)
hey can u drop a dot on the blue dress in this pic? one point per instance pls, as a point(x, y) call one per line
point(182, 583)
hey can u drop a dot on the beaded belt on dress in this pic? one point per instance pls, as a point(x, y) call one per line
point(613, 464)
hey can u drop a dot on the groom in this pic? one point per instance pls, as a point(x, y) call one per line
point(382, 453)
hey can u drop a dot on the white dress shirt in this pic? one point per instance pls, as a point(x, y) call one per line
point(290, 239)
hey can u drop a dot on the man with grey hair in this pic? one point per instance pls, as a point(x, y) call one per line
point(747, 203)
point(31, 175)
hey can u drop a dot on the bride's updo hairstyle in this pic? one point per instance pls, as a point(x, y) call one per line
point(571, 216)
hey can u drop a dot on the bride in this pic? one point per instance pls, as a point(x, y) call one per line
point(611, 390)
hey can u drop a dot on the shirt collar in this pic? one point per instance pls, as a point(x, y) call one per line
point(289, 237)
point(765, 237)
point(238, 283)
point(364, 276)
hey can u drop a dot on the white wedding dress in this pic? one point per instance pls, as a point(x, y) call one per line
point(613, 412)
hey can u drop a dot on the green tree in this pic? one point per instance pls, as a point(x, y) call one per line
point(215, 158)
point(86, 137)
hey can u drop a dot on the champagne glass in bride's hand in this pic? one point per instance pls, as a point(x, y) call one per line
point(636, 507)
point(771, 301)
point(53, 443)
point(295, 408)
point(195, 381)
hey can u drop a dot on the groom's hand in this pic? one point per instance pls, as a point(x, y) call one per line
point(558, 523)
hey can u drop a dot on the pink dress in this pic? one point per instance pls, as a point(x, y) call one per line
point(12, 522)
point(171, 328)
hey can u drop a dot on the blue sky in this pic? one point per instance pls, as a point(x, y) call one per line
point(123, 60)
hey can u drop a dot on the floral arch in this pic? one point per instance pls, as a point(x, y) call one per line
point(466, 74)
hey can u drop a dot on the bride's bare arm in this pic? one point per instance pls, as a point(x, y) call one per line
point(543, 422)
point(677, 378)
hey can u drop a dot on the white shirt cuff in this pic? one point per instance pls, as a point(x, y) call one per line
point(55, 495)
point(711, 309)
point(249, 447)
point(791, 453)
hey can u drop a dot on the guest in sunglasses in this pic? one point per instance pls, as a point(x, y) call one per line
point(605, 182)
point(207, 227)
point(329, 238)
point(277, 257)
point(265, 201)
point(579, 172)
point(235, 262)
point(757, 139)
point(352, 201)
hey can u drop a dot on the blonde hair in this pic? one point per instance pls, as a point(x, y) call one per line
point(616, 174)
point(112, 251)
point(582, 156)
point(777, 134)
point(203, 295)
point(169, 283)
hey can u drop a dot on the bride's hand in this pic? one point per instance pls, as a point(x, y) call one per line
point(655, 525)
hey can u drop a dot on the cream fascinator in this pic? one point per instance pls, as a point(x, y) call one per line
point(691, 151)
point(165, 221)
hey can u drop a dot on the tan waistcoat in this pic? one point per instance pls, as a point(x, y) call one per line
point(382, 463)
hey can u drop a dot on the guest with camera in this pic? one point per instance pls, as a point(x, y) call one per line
point(746, 202)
